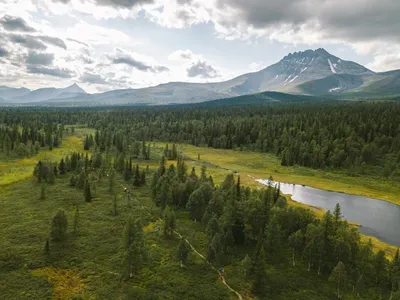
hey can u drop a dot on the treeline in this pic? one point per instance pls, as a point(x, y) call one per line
point(27, 140)
point(273, 233)
point(360, 137)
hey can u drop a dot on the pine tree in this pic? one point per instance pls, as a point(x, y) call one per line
point(111, 180)
point(61, 167)
point(127, 174)
point(59, 226)
point(246, 265)
point(162, 167)
point(259, 274)
point(136, 177)
point(169, 221)
point(183, 252)
point(339, 277)
point(80, 183)
point(72, 181)
point(148, 152)
point(86, 192)
point(86, 144)
point(143, 177)
point(238, 187)
point(132, 246)
point(174, 152)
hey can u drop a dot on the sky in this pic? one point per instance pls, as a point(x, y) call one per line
point(114, 44)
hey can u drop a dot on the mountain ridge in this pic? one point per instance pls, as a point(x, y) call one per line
point(309, 72)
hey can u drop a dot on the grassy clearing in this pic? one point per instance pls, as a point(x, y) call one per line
point(88, 264)
point(13, 170)
point(252, 165)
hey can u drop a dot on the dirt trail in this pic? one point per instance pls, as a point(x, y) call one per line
point(212, 267)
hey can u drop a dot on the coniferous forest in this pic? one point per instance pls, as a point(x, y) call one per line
point(126, 215)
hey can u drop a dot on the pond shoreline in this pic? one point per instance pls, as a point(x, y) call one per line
point(374, 217)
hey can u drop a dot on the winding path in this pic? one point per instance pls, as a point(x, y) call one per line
point(212, 267)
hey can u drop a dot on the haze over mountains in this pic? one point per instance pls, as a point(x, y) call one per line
point(311, 72)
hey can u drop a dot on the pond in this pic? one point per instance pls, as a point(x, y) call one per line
point(377, 218)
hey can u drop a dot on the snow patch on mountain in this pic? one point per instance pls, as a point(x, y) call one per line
point(335, 89)
point(293, 79)
point(302, 70)
point(332, 67)
point(288, 78)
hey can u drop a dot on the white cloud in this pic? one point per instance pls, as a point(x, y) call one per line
point(97, 35)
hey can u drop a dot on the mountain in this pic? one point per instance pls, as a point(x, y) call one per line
point(9, 92)
point(310, 72)
point(48, 93)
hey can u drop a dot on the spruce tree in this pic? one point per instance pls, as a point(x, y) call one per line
point(111, 180)
point(136, 177)
point(132, 247)
point(87, 193)
point(61, 167)
point(339, 277)
point(183, 252)
point(59, 226)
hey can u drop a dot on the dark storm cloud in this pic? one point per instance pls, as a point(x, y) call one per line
point(201, 69)
point(27, 41)
point(11, 23)
point(53, 41)
point(92, 78)
point(359, 20)
point(130, 61)
point(35, 58)
point(3, 52)
point(116, 3)
point(62, 73)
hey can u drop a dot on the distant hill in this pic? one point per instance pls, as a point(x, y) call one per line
point(261, 99)
point(310, 72)
point(9, 92)
point(45, 94)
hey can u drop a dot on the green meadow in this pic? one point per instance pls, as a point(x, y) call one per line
point(88, 264)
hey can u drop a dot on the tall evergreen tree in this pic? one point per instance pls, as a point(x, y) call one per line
point(59, 226)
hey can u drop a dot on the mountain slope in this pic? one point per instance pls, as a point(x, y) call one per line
point(310, 72)
point(295, 69)
point(9, 92)
point(48, 93)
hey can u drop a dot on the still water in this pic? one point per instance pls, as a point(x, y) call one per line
point(378, 218)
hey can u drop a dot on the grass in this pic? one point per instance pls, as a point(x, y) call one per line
point(87, 265)
point(254, 165)
point(14, 170)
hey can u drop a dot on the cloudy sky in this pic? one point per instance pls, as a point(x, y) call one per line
point(110, 44)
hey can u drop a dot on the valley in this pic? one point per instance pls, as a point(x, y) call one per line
point(152, 203)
